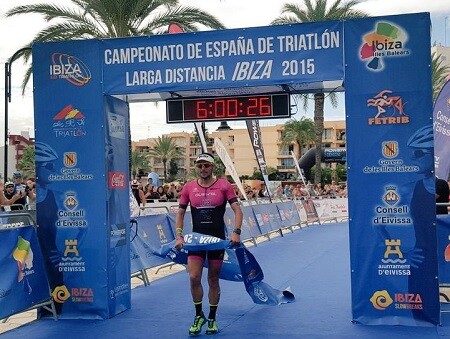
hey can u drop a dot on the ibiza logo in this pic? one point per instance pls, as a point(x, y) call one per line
point(389, 149)
point(69, 122)
point(387, 40)
point(23, 255)
point(70, 159)
point(390, 196)
point(69, 68)
point(389, 109)
point(60, 294)
point(381, 300)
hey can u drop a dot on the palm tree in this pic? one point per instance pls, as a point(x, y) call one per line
point(138, 161)
point(318, 10)
point(101, 19)
point(299, 131)
point(439, 73)
point(165, 149)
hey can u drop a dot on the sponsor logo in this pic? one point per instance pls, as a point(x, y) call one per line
point(116, 126)
point(119, 290)
point(23, 255)
point(381, 300)
point(390, 196)
point(393, 262)
point(69, 123)
point(69, 68)
point(60, 294)
point(389, 149)
point(4, 293)
point(116, 180)
point(71, 260)
point(389, 109)
point(387, 40)
point(259, 293)
point(162, 237)
point(390, 213)
point(118, 235)
point(70, 159)
point(71, 217)
point(82, 295)
point(389, 164)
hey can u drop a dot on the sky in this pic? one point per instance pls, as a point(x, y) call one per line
point(147, 119)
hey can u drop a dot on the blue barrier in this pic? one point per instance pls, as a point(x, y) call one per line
point(23, 283)
point(151, 232)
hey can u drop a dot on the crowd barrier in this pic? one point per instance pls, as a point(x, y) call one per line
point(24, 283)
point(154, 227)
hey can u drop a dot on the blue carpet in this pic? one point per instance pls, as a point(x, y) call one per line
point(313, 261)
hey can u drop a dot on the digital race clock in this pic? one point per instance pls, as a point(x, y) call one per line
point(229, 108)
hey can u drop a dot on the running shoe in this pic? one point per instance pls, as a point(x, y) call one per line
point(212, 327)
point(196, 327)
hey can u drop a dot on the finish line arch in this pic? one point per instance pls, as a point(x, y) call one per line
point(81, 95)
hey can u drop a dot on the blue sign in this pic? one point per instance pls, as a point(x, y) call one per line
point(391, 171)
point(24, 281)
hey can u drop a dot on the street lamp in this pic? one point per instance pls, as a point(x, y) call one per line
point(8, 67)
point(445, 31)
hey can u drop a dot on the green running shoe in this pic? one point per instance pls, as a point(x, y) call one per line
point(212, 327)
point(196, 327)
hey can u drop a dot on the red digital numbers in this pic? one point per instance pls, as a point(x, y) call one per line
point(228, 108)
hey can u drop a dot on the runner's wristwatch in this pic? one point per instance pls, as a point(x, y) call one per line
point(237, 231)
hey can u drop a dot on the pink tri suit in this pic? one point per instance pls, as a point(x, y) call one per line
point(208, 205)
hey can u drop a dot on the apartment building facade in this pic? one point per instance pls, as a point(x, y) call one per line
point(238, 145)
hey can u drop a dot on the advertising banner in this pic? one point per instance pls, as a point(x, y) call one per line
point(117, 157)
point(74, 182)
point(391, 188)
point(212, 62)
point(23, 280)
point(148, 234)
point(254, 133)
point(441, 127)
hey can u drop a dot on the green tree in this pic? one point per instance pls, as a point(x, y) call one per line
point(318, 10)
point(299, 131)
point(85, 19)
point(173, 170)
point(26, 164)
point(165, 149)
point(439, 73)
point(138, 161)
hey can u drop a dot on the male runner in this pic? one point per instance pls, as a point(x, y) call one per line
point(208, 197)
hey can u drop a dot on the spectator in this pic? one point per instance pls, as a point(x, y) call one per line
point(30, 189)
point(5, 201)
point(138, 193)
point(161, 193)
point(19, 186)
point(442, 193)
point(171, 192)
point(11, 198)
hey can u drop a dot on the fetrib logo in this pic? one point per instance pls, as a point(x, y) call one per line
point(390, 109)
point(69, 68)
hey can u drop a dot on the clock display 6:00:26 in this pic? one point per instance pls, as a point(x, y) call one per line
point(240, 107)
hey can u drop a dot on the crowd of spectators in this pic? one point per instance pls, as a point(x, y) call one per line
point(18, 194)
